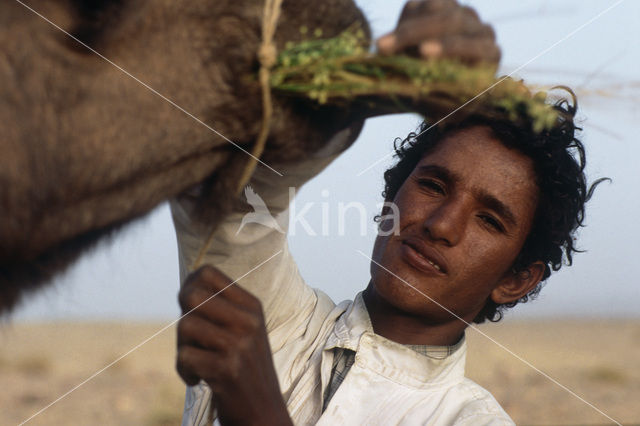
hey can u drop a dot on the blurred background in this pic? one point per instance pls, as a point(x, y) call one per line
point(126, 289)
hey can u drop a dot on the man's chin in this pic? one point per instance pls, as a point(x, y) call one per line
point(397, 295)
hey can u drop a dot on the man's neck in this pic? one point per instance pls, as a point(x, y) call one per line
point(408, 329)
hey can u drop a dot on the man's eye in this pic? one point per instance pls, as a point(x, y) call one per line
point(432, 185)
point(492, 222)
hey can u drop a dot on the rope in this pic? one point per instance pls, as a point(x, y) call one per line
point(267, 55)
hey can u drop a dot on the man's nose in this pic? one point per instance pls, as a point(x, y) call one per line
point(447, 222)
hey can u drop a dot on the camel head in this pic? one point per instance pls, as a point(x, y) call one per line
point(94, 139)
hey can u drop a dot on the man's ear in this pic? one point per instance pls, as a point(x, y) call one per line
point(514, 285)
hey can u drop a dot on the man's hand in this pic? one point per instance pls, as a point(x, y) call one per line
point(223, 341)
point(442, 28)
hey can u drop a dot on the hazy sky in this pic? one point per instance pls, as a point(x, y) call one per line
point(136, 276)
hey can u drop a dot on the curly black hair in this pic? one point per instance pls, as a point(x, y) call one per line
point(559, 162)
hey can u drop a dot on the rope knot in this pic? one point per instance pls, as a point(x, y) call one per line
point(267, 55)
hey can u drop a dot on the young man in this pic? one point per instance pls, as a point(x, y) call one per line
point(487, 210)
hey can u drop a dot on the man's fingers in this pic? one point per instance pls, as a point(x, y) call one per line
point(187, 366)
point(189, 380)
point(416, 7)
point(431, 49)
point(209, 277)
point(200, 300)
point(194, 330)
point(195, 364)
point(412, 32)
point(425, 25)
point(416, 30)
point(485, 32)
point(208, 283)
point(463, 49)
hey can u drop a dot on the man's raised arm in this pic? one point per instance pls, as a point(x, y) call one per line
point(255, 254)
point(253, 287)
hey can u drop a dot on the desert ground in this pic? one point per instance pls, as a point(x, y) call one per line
point(598, 360)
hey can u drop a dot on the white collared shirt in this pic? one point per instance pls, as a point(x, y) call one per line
point(389, 384)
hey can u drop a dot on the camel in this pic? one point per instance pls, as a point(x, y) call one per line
point(159, 97)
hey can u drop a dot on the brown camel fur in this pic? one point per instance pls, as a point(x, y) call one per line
point(85, 148)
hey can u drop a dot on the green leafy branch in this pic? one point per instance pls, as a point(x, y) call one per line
point(341, 71)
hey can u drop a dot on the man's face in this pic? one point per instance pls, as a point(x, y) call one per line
point(465, 213)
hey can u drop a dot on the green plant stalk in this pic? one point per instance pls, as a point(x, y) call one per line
point(339, 71)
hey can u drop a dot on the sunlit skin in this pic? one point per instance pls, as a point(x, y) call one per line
point(468, 207)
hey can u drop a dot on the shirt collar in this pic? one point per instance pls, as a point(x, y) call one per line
point(350, 326)
point(416, 366)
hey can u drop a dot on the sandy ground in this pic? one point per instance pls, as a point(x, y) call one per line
point(597, 360)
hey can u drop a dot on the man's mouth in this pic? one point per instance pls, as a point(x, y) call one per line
point(433, 264)
point(424, 257)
